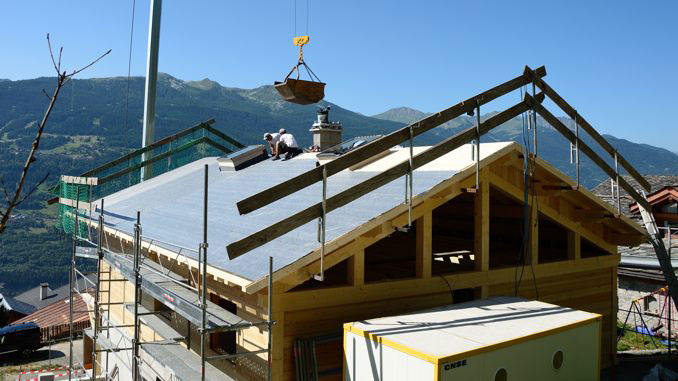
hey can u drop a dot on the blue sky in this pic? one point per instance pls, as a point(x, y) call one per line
point(616, 62)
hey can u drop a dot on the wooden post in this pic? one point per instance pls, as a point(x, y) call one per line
point(356, 268)
point(573, 245)
point(424, 245)
point(613, 320)
point(481, 254)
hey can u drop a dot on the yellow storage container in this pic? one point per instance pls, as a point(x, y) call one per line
point(496, 339)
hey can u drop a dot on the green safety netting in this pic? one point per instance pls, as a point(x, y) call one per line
point(162, 156)
point(67, 214)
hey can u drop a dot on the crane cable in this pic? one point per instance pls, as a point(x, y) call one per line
point(527, 221)
point(129, 72)
point(308, 7)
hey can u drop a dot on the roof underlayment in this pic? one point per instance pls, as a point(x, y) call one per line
point(171, 205)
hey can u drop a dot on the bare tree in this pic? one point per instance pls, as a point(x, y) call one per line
point(12, 201)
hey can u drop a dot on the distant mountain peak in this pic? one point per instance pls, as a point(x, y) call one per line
point(402, 114)
point(204, 84)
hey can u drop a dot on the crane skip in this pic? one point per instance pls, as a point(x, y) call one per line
point(297, 90)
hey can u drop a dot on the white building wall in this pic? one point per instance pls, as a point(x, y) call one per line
point(368, 360)
point(531, 359)
point(121, 359)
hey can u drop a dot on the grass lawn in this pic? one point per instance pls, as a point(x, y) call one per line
point(632, 340)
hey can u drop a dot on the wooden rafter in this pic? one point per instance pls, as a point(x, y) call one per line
point(588, 151)
point(572, 113)
point(378, 146)
point(276, 230)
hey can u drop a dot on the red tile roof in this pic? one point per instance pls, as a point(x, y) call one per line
point(57, 313)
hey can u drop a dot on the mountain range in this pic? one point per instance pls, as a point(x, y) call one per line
point(97, 120)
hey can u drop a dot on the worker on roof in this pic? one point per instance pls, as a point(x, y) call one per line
point(272, 139)
point(287, 145)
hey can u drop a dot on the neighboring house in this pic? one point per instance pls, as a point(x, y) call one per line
point(639, 273)
point(54, 321)
point(465, 243)
point(14, 309)
point(42, 295)
point(664, 203)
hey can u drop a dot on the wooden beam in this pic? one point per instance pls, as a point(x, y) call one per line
point(276, 230)
point(424, 245)
point(74, 203)
point(79, 180)
point(376, 147)
point(319, 298)
point(481, 229)
point(624, 239)
point(572, 113)
point(517, 193)
point(581, 215)
point(552, 189)
point(666, 216)
point(588, 151)
point(302, 274)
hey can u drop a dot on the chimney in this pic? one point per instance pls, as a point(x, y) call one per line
point(326, 134)
point(44, 291)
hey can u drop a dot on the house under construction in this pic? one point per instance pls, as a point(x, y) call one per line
point(243, 268)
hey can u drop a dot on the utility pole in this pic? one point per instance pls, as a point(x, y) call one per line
point(151, 84)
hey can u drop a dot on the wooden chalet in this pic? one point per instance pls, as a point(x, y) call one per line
point(463, 245)
point(479, 228)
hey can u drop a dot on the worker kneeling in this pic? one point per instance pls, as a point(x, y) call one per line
point(286, 145)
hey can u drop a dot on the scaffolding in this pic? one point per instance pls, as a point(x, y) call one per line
point(186, 296)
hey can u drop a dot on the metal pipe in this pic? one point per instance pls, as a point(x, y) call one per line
point(203, 282)
point(534, 117)
point(270, 318)
point(322, 227)
point(235, 355)
point(576, 145)
point(135, 340)
point(410, 183)
point(151, 84)
point(108, 297)
point(478, 146)
point(616, 181)
point(100, 256)
point(643, 262)
point(70, 284)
